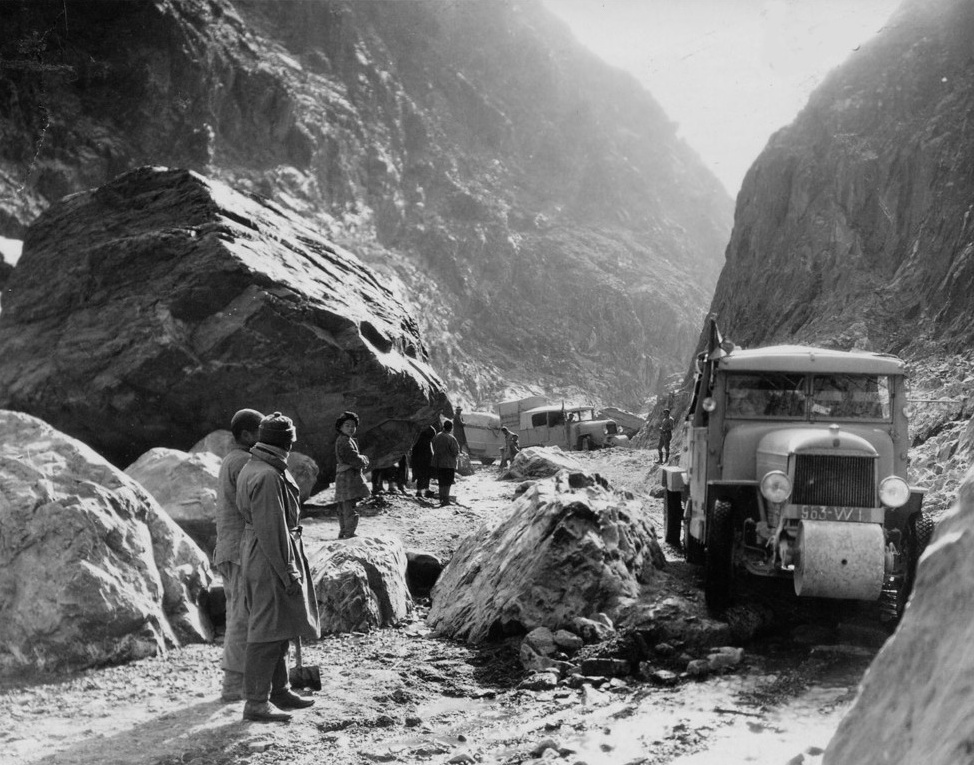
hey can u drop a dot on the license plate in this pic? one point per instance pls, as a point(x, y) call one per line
point(820, 513)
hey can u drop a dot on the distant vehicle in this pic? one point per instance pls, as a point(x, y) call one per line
point(795, 465)
point(484, 437)
point(568, 427)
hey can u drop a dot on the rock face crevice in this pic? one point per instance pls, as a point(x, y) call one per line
point(532, 206)
point(146, 312)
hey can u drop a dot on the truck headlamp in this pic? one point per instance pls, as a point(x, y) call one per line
point(776, 487)
point(894, 491)
point(709, 404)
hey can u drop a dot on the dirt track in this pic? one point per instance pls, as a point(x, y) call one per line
point(402, 696)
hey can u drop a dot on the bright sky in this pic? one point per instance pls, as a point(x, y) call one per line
point(729, 72)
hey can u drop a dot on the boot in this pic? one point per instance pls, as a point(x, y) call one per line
point(287, 699)
point(232, 686)
point(262, 711)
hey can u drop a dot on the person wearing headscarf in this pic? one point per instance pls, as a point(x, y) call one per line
point(278, 591)
point(244, 426)
point(350, 485)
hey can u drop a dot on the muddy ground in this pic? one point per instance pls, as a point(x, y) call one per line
point(401, 695)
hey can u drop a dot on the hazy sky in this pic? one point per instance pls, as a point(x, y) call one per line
point(729, 72)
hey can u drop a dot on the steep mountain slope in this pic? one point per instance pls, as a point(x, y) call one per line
point(532, 205)
point(862, 208)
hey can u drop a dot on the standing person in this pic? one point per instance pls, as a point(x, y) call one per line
point(665, 436)
point(446, 450)
point(226, 557)
point(507, 451)
point(458, 430)
point(422, 456)
point(350, 485)
point(278, 590)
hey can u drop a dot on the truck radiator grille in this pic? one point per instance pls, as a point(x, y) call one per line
point(836, 481)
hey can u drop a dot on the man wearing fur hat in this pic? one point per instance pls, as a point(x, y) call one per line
point(279, 594)
point(226, 556)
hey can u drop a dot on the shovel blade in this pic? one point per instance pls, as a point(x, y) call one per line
point(305, 677)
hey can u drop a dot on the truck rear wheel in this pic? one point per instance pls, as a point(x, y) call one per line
point(718, 567)
point(673, 524)
point(486, 460)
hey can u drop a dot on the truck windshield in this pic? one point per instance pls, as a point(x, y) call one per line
point(851, 397)
point(833, 396)
point(766, 394)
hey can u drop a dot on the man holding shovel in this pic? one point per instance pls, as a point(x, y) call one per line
point(226, 556)
point(279, 594)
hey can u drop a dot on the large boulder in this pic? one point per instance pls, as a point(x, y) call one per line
point(914, 702)
point(302, 467)
point(146, 312)
point(360, 584)
point(92, 571)
point(541, 462)
point(567, 547)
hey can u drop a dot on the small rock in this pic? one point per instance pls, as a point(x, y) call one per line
point(412, 721)
point(698, 668)
point(461, 759)
point(664, 677)
point(725, 658)
point(606, 667)
point(548, 743)
point(592, 697)
point(664, 649)
point(540, 681)
point(259, 746)
point(541, 640)
point(568, 641)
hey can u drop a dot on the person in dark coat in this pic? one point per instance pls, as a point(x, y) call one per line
point(350, 485)
point(446, 450)
point(665, 437)
point(279, 595)
point(421, 456)
point(226, 557)
point(458, 430)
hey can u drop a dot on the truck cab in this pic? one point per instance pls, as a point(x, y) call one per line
point(795, 465)
point(568, 427)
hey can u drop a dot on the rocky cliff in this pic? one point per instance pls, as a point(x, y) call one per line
point(532, 206)
point(862, 208)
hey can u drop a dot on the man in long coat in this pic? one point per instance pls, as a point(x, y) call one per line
point(226, 556)
point(446, 451)
point(279, 594)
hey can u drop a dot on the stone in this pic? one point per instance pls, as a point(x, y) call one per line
point(542, 462)
point(605, 667)
point(92, 570)
point(185, 485)
point(725, 657)
point(553, 554)
point(540, 681)
point(568, 641)
point(181, 301)
point(422, 571)
point(913, 704)
point(590, 630)
point(699, 668)
point(541, 640)
point(664, 677)
point(360, 584)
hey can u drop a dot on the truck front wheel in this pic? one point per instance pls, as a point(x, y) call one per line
point(919, 530)
point(718, 566)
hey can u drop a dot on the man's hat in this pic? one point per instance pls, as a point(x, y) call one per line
point(245, 419)
point(277, 430)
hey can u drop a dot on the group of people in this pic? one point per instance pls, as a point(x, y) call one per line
point(260, 553)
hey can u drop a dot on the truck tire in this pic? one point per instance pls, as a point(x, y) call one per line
point(486, 460)
point(718, 567)
point(673, 520)
point(919, 529)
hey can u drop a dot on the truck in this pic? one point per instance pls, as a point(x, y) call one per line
point(484, 437)
point(570, 427)
point(794, 465)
